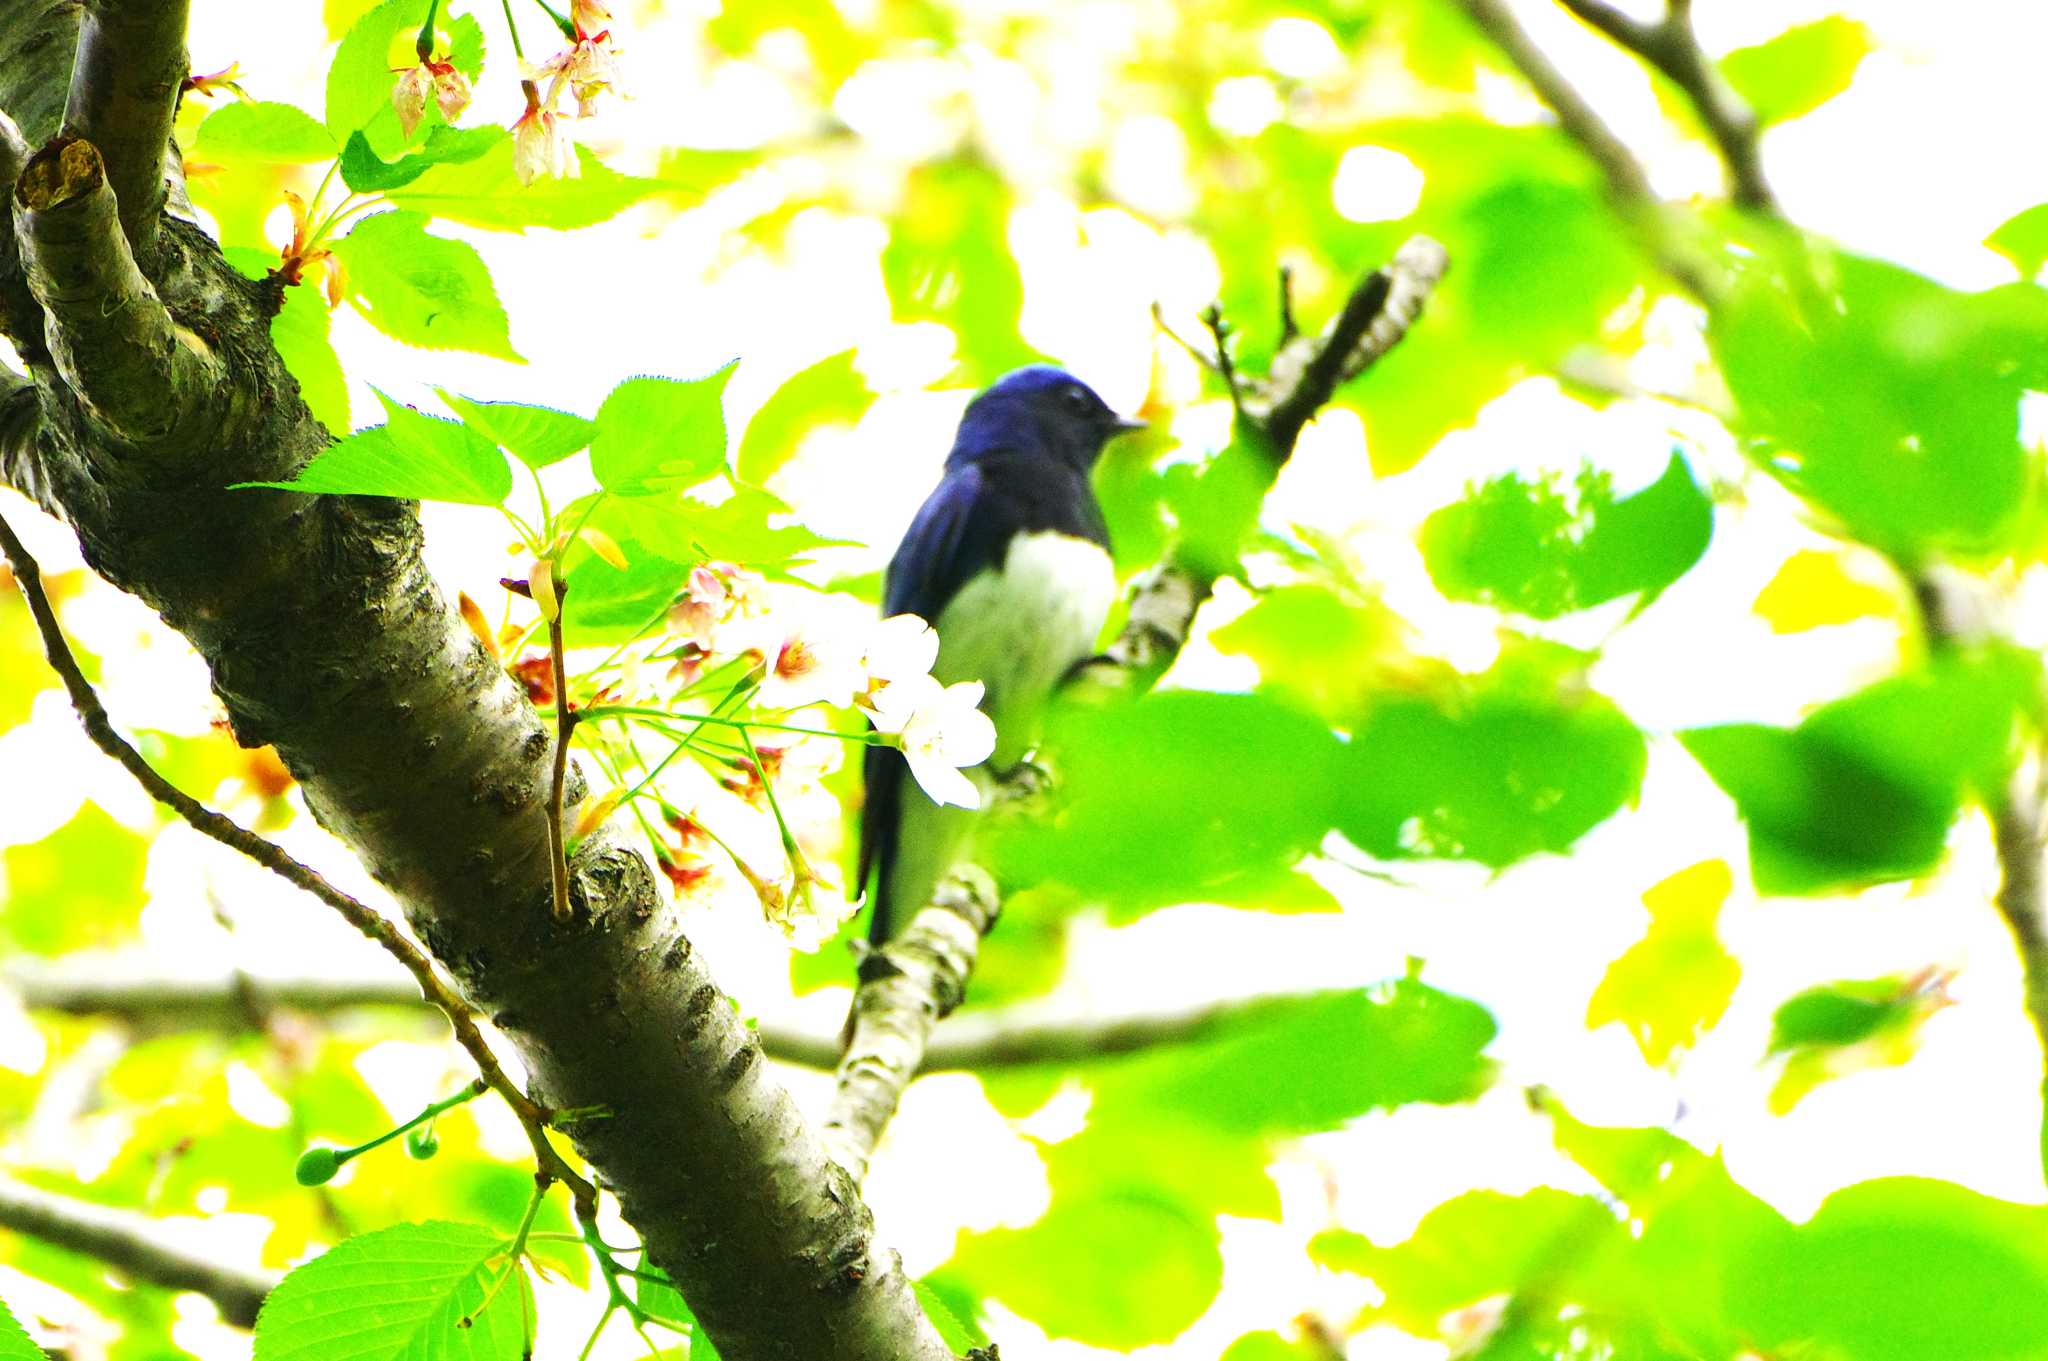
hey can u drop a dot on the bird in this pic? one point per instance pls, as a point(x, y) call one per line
point(1009, 560)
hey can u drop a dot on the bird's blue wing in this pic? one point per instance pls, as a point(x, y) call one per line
point(938, 553)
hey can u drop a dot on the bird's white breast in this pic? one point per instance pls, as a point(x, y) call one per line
point(1019, 629)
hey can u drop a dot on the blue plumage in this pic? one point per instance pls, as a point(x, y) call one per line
point(1008, 558)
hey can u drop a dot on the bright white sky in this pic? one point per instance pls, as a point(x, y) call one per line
point(1918, 161)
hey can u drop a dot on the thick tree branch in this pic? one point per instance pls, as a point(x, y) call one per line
point(326, 636)
point(147, 380)
point(98, 727)
point(1672, 47)
point(906, 987)
point(21, 316)
point(125, 80)
point(135, 1245)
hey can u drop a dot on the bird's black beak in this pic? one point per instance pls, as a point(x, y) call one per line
point(1124, 425)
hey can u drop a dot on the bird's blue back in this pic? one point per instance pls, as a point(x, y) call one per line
point(1019, 465)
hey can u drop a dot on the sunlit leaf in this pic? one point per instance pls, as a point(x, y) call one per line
point(1236, 784)
point(421, 289)
point(656, 434)
point(1675, 981)
point(15, 1344)
point(1112, 1270)
point(1864, 790)
point(2023, 239)
point(486, 193)
point(1815, 588)
point(829, 392)
point(419, 457)
point(412, 1292)
point(1904, 1270)
point(1313, 645)
point(1800, 69)
point(1522, 760)
point(948, 260)
point(81, 885)
point(1544, 549)
point(1850, 1026)
point(365, 172)
point(367, 64)
point(256, 130)
point(1889, 402)
point(535, 435)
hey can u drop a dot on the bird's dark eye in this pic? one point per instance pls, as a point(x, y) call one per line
point(1076, 399)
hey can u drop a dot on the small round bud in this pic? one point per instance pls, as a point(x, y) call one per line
point(317, 1165)
point(422, 1143)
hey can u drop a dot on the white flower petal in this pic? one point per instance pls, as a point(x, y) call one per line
point(942, 782)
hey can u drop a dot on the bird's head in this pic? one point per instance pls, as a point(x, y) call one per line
point(1041, 409)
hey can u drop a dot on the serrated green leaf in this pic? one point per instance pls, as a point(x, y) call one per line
point(955, 1327)
point(424, 290)
point(535, 435)
point(257, 130)
point(1800, 69)
point(412, 1292)
point(2023, 239)
point(15, 1343)
point(79, 886)
point(486, 193)
point(829, 392)
point(1676, 980)
point(415, 456)
point(1543, 550)
point(1863, 791)
point(659, 434)
point(1517, 762)
point(366, 67)
point(365, 172)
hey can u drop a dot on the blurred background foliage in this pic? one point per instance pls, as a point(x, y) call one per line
point(1569, 776)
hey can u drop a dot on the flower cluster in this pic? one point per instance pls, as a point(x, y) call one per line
point(586, 68)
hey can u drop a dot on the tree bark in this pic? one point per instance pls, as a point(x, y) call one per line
point(326, 636)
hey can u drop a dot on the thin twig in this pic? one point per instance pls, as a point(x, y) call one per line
point(1673, 48)
point(1200, 355)
point(1219, 330)
point(565, 727)
point(135, 1245)
point(532, 1116)
point(1288, 327)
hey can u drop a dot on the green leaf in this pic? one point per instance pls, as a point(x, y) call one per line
point(487, 193)
point(1903, 1270)
point(412, 1292)
point(1270, 1346)
point(1314, 646)
point(15, 1343)
point(365, 172)
point(1887, 401)
point(424, 290)
point(79, 886)
point(1676, 980)
point(1542, 550)
point(535, 435)
point(2023, 239)
point(367, 64)
point(1863, 791)
point(1495, 768)
point(256, 130)
point(956, 1327)
point(300, 332)
point(1238, 784)
point(658, 434)
point(415, 456)
point(1118, 1269)
point(1848, 1012)
point(829, 392)
point(1800, 69)
point(1480, 1245)
point(948, 260)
